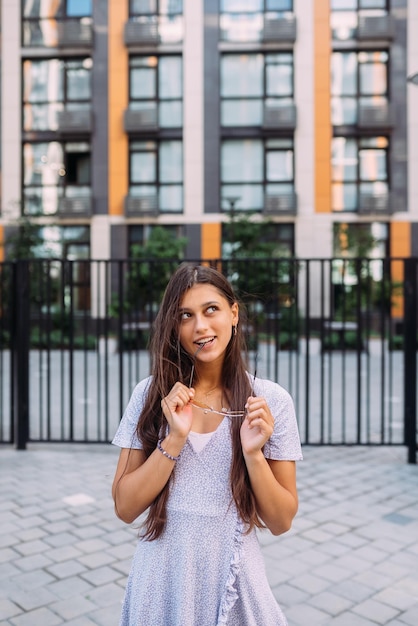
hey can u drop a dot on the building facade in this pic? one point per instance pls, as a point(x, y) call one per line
point(119, 115)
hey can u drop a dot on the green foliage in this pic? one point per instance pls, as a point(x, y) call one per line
point(269, 272)
point(354, 241)
point(148, 272)
point(341, 341)
point(25, 241)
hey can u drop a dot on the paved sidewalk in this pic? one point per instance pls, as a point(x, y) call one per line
point(351, 558)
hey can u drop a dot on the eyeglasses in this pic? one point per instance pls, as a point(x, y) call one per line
point(208, 409)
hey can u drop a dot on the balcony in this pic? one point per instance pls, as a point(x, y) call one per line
point(279, 29)
point(153, 30)
point(75, 121)
point(374, 204)
point(139, 206)
point(279, 116)
point(75, 207)
point(375, 116)
point(280, 204)
point(371, 27)
point(75, 33)
point(141, 33)
point(135, 120)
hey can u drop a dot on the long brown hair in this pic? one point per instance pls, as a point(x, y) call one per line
point(171, 363)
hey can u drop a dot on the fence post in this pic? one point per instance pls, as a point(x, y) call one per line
point(410, 357)
point(21, 353)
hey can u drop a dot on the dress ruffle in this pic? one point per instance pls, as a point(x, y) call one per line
point(230, 595)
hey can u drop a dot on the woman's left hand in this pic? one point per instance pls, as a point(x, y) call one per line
point(257, 426)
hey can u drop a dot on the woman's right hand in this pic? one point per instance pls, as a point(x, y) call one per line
point(177, 409)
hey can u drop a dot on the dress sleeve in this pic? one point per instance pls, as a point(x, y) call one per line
point(284, 443)
point(126, 436)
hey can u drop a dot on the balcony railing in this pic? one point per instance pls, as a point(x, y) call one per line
point(79, 120)
point(375, 27)
point(75, 207)
point(154, 30)
point(280, 204)
point(75, 33)
point(141, 206)
point(140, 120)
point(140, 33)
point(279, 116)
point(280, 29)
point(374, 204)
point(375, 116)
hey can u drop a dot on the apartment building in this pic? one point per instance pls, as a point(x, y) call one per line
point(118, 115)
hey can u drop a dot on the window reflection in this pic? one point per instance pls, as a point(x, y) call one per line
point(156, 85)
point(252, 169)
point(156, 173)
point(53, 170)
point(346, 14)
point(162, 18)
point(41, 20)
point(250, 82)
point(360, 173)
point(50, 86)
point(245, 20)
point(357, 79)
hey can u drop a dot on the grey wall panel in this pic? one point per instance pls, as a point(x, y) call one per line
point(193, 234)
point(100, 108)
point(118, 241)
point(414, 239)
point(398, 93)
point(211, 107)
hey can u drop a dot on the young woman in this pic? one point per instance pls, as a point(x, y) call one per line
point(208, 450)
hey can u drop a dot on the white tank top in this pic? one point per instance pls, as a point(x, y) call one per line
point(199, 440)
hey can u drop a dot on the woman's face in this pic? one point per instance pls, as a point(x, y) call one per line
point(206, 319)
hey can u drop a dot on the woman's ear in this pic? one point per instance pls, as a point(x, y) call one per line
point(235, 313)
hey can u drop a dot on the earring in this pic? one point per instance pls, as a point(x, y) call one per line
point(235, 329)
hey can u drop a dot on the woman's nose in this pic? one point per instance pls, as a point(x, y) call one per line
point(201, 323)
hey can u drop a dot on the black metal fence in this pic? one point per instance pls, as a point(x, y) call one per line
point(339, 334)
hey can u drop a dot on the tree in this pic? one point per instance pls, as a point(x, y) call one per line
point(25, 241)
point(148, 272)
point(248, 238)
point(262, 274)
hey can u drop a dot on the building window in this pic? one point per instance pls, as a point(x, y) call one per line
point(359, 82)
point(252, 170)
point(156, 174)
point(139, 234)
point(65, 242)
point(345, 15)
point(52, 86)
point(252, 82)
point(52, 172)
point(282, 235)
point(352, 279)
point(155, 89)
point(41, 20)
point(360, 174)
point(366, 240)
point(162, 19)
point(245, 21)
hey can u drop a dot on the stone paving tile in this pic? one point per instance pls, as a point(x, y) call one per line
point(376, 611)
point(349, 560)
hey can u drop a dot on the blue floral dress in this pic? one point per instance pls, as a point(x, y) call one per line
point(205, 570)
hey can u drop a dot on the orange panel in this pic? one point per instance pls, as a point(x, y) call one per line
point(400, 246)
point(322, 99)
point(211, 241)
point(118, 101)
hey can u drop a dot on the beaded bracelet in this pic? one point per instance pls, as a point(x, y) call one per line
point(169, 456)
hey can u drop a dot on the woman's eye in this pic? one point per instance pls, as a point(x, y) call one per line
point(184, 315)
point(211, 309)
